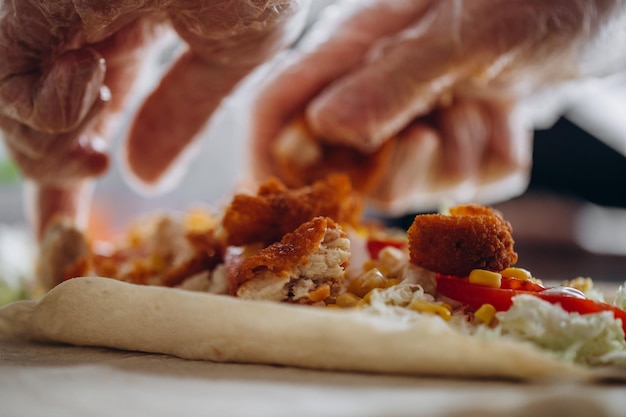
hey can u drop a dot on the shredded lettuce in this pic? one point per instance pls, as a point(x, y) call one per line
point(590, 338)
point(593, 339)
point(393, 301)
point(620, 297)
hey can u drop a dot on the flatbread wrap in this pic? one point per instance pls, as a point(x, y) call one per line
point(106, 312)
point(330, 291)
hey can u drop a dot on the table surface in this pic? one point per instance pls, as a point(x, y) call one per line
point(55, 380)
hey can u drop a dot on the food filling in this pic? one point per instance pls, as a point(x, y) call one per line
point(311, 246)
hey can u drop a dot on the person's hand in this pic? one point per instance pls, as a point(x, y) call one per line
point(441, 78)
point(67, 68)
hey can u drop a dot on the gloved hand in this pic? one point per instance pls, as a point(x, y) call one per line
point(440, 78)
point(67, 69)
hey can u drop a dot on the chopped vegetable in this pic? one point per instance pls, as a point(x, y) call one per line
point(584, 338)
point(485, 313)
point(366, 282)
point(519, 273)
point(442, 310)
point(620, 297)
point(485, 278)
point(461, 290)
point(347, 299)
point(512, 283)
point(374, 246)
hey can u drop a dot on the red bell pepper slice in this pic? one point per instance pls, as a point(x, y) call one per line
point(472, 295)
point(374, 246)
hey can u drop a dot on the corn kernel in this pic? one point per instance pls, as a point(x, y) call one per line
point(485, 313)
point(519, 273)
point(385, 271)
point(392, 282)
point(391, 255)
point(485, 278)
point(369, 264)
point(391, 259)
point(347, 300)
point(366, 299)
point(580, 283)
point(367, 281)
point(442, 310)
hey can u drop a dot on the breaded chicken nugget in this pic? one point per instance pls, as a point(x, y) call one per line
point(306, 266)
point(276, 210)
point(470, 237)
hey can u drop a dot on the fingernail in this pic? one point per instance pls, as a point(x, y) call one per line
point(105, 93)
point(98, 144)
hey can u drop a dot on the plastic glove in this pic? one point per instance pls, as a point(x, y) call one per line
point(439, 78)
point(68, 67)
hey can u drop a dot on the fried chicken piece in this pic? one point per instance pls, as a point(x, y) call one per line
point(306, 266)
point(301, 159)
point(277, 210)
point(470, 237)
point(160, 251)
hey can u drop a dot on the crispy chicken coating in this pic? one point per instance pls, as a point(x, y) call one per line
point(160, 251)
point(277, 210)
point(470, 237)
point(306, 266)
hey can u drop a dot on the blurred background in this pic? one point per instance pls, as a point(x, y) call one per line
point(570, 222)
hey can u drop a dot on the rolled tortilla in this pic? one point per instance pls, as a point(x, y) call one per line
point(108, 313)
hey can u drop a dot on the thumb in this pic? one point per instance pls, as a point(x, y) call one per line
point(218, 58)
